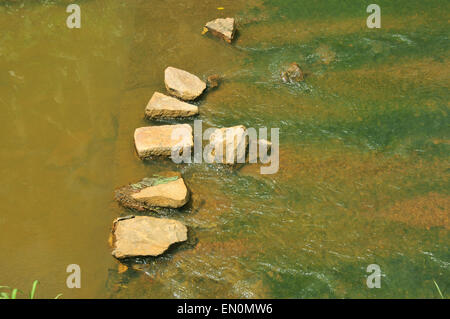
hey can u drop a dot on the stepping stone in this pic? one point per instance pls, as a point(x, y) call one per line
point(182, 84)
point(163, 106)
point(234, 138)
point(158, 140)
point(163, 190)
point(222, 28)
point(136, 236)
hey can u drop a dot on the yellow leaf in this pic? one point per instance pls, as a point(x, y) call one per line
point(204, 30)
point(220, 8)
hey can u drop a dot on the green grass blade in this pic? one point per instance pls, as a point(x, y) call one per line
point(4, 295)
point(57, 296)
point(33, 289)
point(439, 290)
point(14, 293)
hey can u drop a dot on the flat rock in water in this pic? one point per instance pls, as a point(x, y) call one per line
point(159, 140)
point(136, 236)
point(222, 28)
point(163, 106)
point(166, 190)
point(234, 142)
point(182, 84)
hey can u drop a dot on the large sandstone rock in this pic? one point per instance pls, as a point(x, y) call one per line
point(159, 140)
point(222, 28)
point(163, 106)
point(136, 236)
point(163, 190)
point(232, 140)
point(183, 84)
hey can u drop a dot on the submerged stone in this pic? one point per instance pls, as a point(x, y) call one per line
point(160, 140)
point(293, 74)
point(213, 81)
point(166, 190)
point(163, 106)
point(136, 236)
point(222, 28)
point(182, 84)
point(232, 142)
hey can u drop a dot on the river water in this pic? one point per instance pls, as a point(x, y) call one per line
point(364, 146)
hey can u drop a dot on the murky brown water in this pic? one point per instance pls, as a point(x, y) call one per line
point(363, 157)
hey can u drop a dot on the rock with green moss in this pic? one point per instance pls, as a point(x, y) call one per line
point(166, 190)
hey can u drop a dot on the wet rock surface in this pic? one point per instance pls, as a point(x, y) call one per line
point(293, 74)
point(232, 138)
point(163, 106)
point(166, 190)
point(223, 28)
point(183, 84)
point(135, 236)
point(159, 140)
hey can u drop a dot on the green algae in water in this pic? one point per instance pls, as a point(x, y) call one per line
point(152, 181)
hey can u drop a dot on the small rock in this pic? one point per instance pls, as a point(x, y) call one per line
point(325, 54)
point(222, 28)
point(164, 190)
point(136, 236)
point(234, 139)
point(213, 81)
point(182, 84)
point(163, 106)
point(158, 141)
point(293, 74)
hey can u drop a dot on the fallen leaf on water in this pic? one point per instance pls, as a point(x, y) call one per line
point(204, 30)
